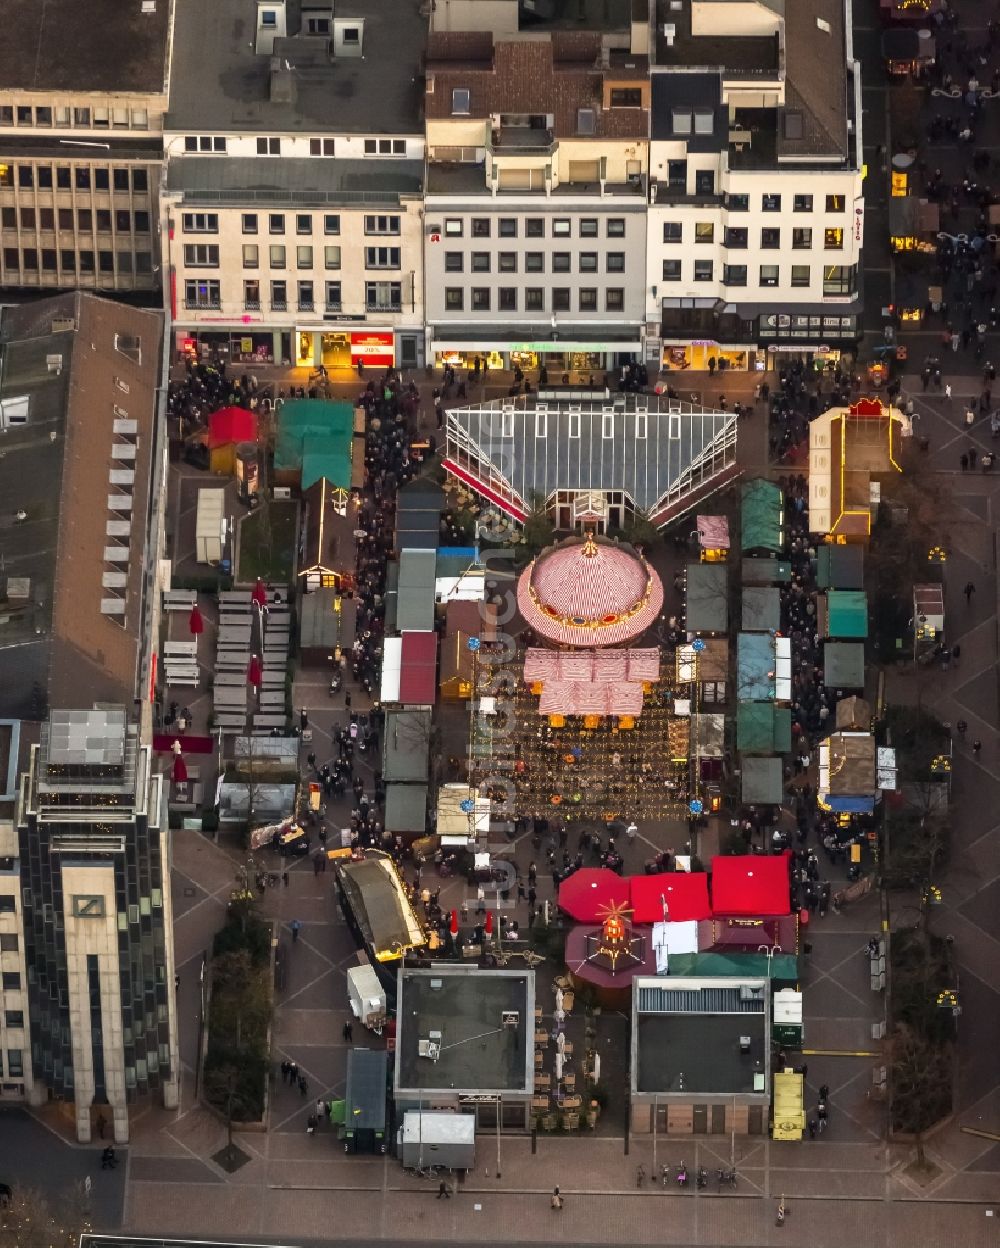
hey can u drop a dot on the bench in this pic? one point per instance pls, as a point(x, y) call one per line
point(234, 632)
point(232, 662)
point(180, 649)
point(230, 723)
point(268, 720)
point(231, 699)
point(275, 681)
point(272, 701)
point(179, 599)
point(234, 679)
point(189, 676)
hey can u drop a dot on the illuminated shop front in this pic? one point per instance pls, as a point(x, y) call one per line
point(345, 348)
point(233, 346)
point(574, 359)
point(699, 355)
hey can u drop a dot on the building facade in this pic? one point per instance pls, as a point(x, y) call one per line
point(94, 881)
point(756, 216)
point(83, 92)
point(294, 218)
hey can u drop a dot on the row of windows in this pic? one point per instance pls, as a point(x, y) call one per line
point(207, 293)
point(48, 260)
point(206, 256)
point(303, 223)
point(208, 223)
point(534, 227)
point(800, 275)
point(82, 118)
point(80, 177)
point(772, 203)
point(738, 237)
point(270, 145)
point(101, 219)
point(534, 299)
point(534, 261)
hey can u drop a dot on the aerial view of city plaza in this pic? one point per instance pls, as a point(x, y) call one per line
point(499, 623)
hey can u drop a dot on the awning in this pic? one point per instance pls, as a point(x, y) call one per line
point(750, 884)
point(506, 338)
point(763, 728)
point(677, 896)
point(588, 894)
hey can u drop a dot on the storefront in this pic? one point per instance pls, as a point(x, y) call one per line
point(698, 357)
point(574, 360)
point(819, 339)
point(345, 348)
point(233, 346)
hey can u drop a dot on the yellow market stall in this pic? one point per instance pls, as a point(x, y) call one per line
point(789, 1115)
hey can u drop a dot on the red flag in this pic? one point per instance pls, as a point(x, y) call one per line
point(180, 769)
point(196, 622)
point(488, 925)
point(254, 671)
point(453, 927)
point(259, 595)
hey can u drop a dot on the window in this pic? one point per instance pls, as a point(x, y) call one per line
point(205, 143)
point(588, 299)
point(681, 121)
point(383, 296)
point(480, 262)
point(44, 175)
point(588, 227)
point(507, 227)
point(453, 227)
point(608, 423)
point(507, 299)
point(321, 26)
point(615, 262)
point(704, 182)
point(200, 222)
point(198, 292)
point(586, 121)
point(616, 227)
point(454, 298)
point(303, 257)
point(351, 34)
point(142, 222)
point(306, 299)
point(15, 1060)
point(81, 117)
point(836, 203)
point(453, 262)
point(534, 262)
point(321, 147)
point(626, 97)
point(268, 147)
point(614, 299)
point(269, 18)
point(573, 417)
point(673, 232)
point(734, 275)
point(703, 270)
point(331, 223)
point(560, 299)
point(838, 279)
point(84, 219)
point(736, 237)
point(382, 224)
point(800, 275)
point(102, 216)
point(331, 257)
point(770, 203)
point(792, 124)
point(802, 239)
point(201, 255)
point(560, 262)
point(802, 203)
point(480, 299)
point(279, 296)
point(251, 295)
point(6, 115)
point(87, 262)
point(28, 219)
point(770, 239)
point(480, 227)
point(833, 238)
point(276, 223)
point(560, 227)
point(11, 258)
point(8, 942)
point(588, 261)
point(541, 421)
point(251, 256)
point(6, 903)
point(140, 119)
point(677, 175)
point(276, 253)
point(385, 147)
point(332, 296)
point(460, 101)
point(534, 299)
point(382, 257)
point(303, 223)
point(704, 121)
point(671, 270)
point(140, 181)
point(534, 227)
point(507, 261)
point(704, 232)
point(738, 203)
point(769, 275)
point(29, 259)
point(8, 218)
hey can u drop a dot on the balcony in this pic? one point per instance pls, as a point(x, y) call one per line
point(383, 307)
point(279, 305)
point(332, 306)
point(251, 305)
point(307, 305)
point(202, 304)
point(523, 141)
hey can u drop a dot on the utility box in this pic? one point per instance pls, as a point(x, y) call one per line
point(787, 1030)
point(209, 534)
point(432, 1138)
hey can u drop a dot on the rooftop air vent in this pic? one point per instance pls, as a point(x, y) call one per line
point(149, 6)
point(669, 33)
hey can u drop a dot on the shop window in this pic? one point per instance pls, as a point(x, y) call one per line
point(802, 203)
point(507, 227)
point(800, 275)
point(534, 299)
point(836, 203)
point(534, 262)
point(331, 223)
point(507, 261)
point(560, 262)
point(560, 299)
point(249, 223)
point(614, 299)
point(588, 261)
point(704, 232)
point(588, 299)
point(802, 239)
point(616, 227)
point(534, 227)
point(770, 203)
point(480, 262)
point(833, 238)
point(671, 270)
point(734, 275)
point(768, 275)
point(507, 299)
point(703, 270)
point(453, 261)
point(770, 239)
point(454, 298)
point(331, 257)
point(480, 299)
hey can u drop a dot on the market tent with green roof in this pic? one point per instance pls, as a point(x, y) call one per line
point(763, 728)
point(847, 613)
point(314, 437)
point(741, 965)
point(761, 609)
point(762, 516)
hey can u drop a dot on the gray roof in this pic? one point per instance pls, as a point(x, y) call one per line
point(645, 468)
point(406, 808)
point(761, 609)
point(415, 591)
point(406, 747)
point(761, 781)
point(243, 180)
point(219, 84)
point(844, 664)
point(100, 45)
point(367, 1088)
point(707, 598)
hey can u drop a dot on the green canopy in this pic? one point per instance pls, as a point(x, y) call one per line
point(762, 516)
point(846, 613)
point(315, 437)
point(784, 966)
point(763, 728)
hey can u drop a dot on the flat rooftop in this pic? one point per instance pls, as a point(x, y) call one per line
point(100, 45)
point(467, 1006)
point(302, 180)
point(219, 82)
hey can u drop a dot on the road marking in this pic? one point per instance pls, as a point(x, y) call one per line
point(983, 1135)
point(840, 1053)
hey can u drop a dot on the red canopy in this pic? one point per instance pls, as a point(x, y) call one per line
point(587, 894)
point(750, 884)
point(254, 671)
point(231, 424)
point(418, 669)
point(685, 892)
point(488, 925)
point(259, 593)
point(180, 769)
point(196, 622)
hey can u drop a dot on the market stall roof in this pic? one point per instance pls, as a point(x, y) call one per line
point(710, 663)
point(844, 665)
point(591, 697)
point(713, 532)
point(366, 1088)
point(319, 623)
point(418, 516)
point(475, 619)
point(378, 901)
point(392, 661)
point(458, 665)
point(763, 728)
point(406, 808)
point(452, 820)
point(761, 782)
point(684, 892)
point(415, 591)
point(909, 216)
point(847, 766)
point(761, 609)
point(783, 966)
point(762, 516)
point(732, 934)
point(846, 613)
point(589, 893)
point(406, 749)
point(591, 665)
point(707, 597)
point(418, 669)
point(708, 735)
point(761, 570)
point(763, 668)
point(750, 884)
point(231, 424)
point(840, 567)
point(314, 437)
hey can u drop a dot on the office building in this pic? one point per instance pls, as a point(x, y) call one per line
point(756, 216)
point(295, 177)
point(83, 91)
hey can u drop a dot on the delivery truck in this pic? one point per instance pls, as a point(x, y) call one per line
point(437, 1138)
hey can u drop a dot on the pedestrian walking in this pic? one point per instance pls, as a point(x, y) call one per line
point(348, 1032)
point(947, 390)
point(311, 1124)
point(286, 1068)
point(284, 878)
point(320, 1109)
point(812, 1128)
point(969, 590)
point(556, 1200)
point(296, 927)
point(102, 1122)
point(972, 457)
point(961, 727)
point(443, 1192)
point(963, 459)
point(88, 1184)
point(303, 1084)
point(977, 745)
point(824, 1092)
point(293, 1073)
point(347, 699)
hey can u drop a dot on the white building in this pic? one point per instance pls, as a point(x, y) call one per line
point(295, 179)
point(756, 217)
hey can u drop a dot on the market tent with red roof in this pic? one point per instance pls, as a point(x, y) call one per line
point(685, 892)
point(750, 884)
point(231, 424)
point(418, 669)
point(589, 893)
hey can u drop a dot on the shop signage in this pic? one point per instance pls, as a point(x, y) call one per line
point(859, 220)
point(374, 347)
point(477, 1098)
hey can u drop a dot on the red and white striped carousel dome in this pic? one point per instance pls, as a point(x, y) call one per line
point(589, 593)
